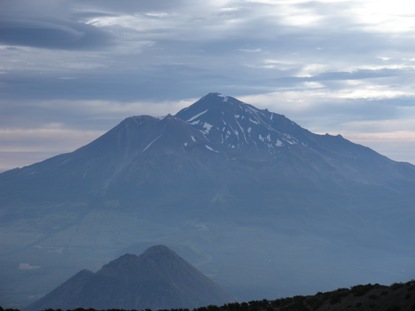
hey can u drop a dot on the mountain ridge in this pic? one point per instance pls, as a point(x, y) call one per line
point(157, 279)
point(273, 137)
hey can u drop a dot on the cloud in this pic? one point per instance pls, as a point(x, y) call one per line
point(51, 34)
point(46, 24)
point(25, 146)
point(27, 266)
point(330, 65)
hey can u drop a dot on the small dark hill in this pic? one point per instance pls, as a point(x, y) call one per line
point(397, 297)
point(157, 279)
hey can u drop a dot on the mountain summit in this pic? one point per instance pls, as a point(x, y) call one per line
point(230, 123)
point(263, 205)
point(157, 279)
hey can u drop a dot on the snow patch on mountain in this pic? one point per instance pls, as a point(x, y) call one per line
point(149, 145)
point(197, 116)
point(289, 139)
point(207, 127)
point(211, 149)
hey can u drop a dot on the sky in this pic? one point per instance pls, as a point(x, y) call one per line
point(70, 70)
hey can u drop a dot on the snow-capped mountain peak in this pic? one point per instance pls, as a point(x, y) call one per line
point(226, 121)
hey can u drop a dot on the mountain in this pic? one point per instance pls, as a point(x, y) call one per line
point(258, 203)
point(209, 145)
point(157, 279)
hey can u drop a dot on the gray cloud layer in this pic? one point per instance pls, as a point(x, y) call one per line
point(333, 66)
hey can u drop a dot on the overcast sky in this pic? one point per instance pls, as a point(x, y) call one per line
point(72, 69)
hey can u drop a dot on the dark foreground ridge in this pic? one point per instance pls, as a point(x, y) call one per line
point(396, 297)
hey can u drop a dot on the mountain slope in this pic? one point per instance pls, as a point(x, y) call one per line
point(157, 279)
point(209, 145)
point(234, 125)
point(238, 188)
